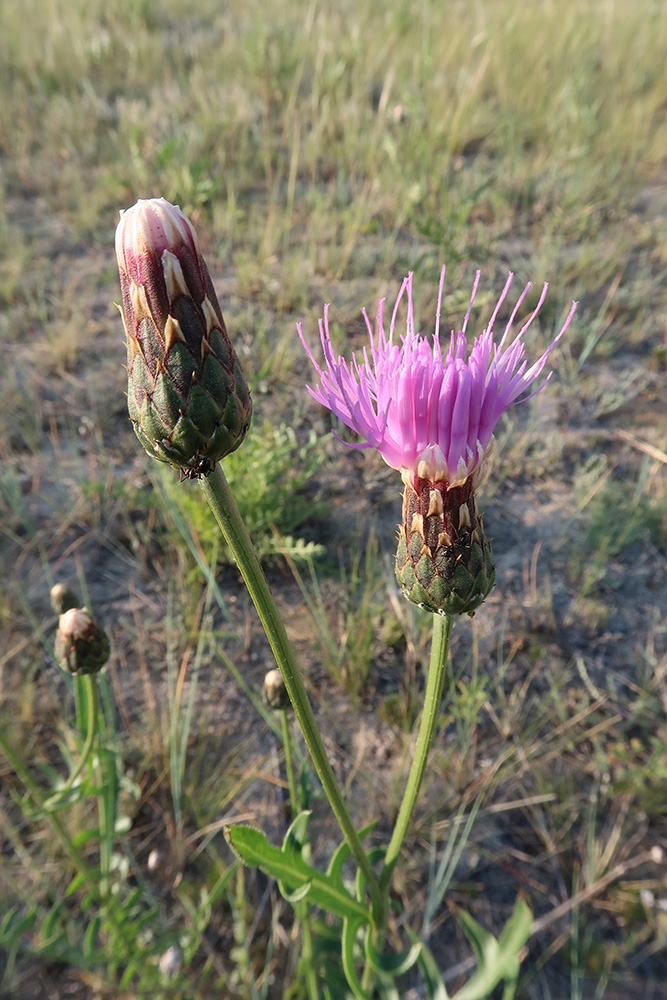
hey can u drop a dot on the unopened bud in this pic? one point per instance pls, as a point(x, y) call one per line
point(187, 395)
point(62, 599)
point(274, 690)
point(82, 646)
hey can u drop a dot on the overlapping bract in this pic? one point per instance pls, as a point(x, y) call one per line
point(187, 395)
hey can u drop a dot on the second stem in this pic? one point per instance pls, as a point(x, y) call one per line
point(442, 627)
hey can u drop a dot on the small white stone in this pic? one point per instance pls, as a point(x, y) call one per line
point(171, 962)
point(154, 860)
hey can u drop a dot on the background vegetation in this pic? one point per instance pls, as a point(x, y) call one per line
point(324, 150)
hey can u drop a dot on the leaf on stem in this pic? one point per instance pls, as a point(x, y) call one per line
point(496, 959)
point(288, 868)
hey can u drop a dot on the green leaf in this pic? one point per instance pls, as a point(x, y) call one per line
point(14, 927)
point(297, 833)
point(49, 923)
point(85, 836)
point(373, 855)
point(75, 884)
point(126, 978)
point(351, 927)
point(90, 937)
point(288, 867)
point(297, 894)
point(429, 968)
point(389, 991)
point(219, 887)
point(396, 964)
point(342, 853)
point(496, 960)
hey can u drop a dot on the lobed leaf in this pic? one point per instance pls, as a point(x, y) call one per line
point(288, 867)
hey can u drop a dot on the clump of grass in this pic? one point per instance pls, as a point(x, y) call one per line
point(344, 618)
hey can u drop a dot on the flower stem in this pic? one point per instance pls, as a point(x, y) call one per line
point(90, 685)
point(219, 496)
point(442, 626)
point(289, 763)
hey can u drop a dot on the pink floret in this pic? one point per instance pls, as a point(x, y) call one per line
point(408, 399)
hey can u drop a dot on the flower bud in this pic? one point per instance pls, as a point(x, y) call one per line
point(82, 646)
point(274, 691)
point(187, 395)
point(62, 598)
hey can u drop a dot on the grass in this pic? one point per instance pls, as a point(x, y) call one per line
point(323, 152)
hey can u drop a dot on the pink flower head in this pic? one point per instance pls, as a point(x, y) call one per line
point(427, 412)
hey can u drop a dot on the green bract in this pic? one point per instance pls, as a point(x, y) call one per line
point(444, 562)
point(187, 395)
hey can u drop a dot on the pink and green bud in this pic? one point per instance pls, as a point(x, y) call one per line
point(187, 395)
point(430, 410)
point(82, 646)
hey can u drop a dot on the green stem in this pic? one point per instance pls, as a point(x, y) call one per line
point(301, 908)
point(216, 490)
point(442, 626)
point(289, 764)
point(90, 682)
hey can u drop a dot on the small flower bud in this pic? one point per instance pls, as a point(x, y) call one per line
point(82, 646)
point(187, 395)
point(274, 691)
point(62, 599)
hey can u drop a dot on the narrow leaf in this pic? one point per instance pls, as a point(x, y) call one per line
point(429, 969)
point(351, 928)
point(497, 960)
point(394, 965)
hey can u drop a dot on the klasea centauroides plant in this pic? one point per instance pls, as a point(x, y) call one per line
point(431, 413)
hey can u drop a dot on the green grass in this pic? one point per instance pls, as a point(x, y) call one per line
point(323, 151)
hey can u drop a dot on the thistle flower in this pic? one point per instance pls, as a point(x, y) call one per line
point(431, 414)
point(187, 395)
point(82, 646)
